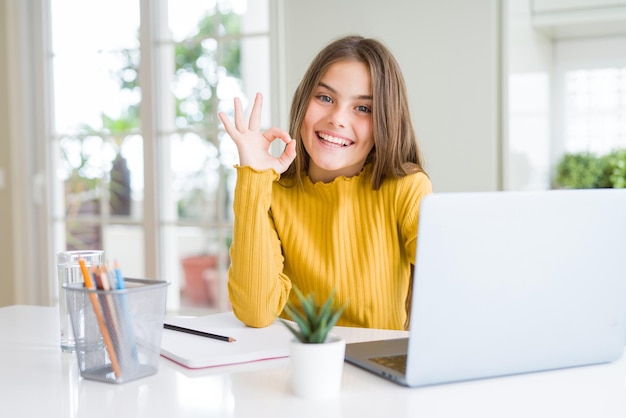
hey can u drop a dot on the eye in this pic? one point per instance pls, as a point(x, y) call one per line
point(324, 98)
point(363, 108)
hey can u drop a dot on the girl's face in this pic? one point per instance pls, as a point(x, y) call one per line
point(337, 128)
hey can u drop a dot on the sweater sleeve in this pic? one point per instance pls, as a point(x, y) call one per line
point(257, 287)
point(413, 189)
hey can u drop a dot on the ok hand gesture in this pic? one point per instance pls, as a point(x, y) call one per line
point(252, 144)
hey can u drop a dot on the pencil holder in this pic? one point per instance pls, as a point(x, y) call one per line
point(117, 332)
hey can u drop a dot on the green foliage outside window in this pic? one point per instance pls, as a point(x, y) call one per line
point(586, 170)
point(615, 169)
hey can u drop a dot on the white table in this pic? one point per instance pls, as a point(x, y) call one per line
point(38, 380)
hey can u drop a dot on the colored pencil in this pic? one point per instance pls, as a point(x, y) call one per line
point(127, 328)
point(111, 312)
point(100, 317)
point(118, 275)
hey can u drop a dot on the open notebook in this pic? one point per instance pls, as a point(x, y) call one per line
point(252, 344)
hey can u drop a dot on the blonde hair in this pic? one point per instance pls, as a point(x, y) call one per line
point(395, 152)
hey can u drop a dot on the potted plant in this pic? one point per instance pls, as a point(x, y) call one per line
point(317, 356)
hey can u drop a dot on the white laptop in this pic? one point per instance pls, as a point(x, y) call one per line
point(508, 283)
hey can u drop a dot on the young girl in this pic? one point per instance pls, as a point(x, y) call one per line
point(339, 207)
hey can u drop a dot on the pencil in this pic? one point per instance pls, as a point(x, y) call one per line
point(110, 312)
point(100, 317)
point(118, 275)
point(200, 333)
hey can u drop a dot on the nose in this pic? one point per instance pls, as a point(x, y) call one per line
point(337, 117)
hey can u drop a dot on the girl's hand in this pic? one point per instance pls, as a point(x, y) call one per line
point(252, 145)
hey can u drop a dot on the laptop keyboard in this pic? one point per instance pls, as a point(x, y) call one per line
point(395, 362)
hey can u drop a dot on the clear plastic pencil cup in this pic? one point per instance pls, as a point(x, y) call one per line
point(69, 271)
point(118, 332)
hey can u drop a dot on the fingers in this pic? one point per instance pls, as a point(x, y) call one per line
point(227, 125)
point(252, 144)
point(276, 133)
point(255, 115)
point(270, 135)
point(285, 159)
point(288, 155)
point(240, 122)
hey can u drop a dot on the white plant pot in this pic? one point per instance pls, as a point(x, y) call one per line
point(316, 369)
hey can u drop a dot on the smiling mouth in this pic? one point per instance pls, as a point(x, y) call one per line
point(333, 141)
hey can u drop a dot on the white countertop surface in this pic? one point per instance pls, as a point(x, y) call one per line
point(38, 380)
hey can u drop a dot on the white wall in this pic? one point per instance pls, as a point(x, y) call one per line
point(449, 53)
point(528, 67)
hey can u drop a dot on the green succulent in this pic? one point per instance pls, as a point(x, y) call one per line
point(313, 322)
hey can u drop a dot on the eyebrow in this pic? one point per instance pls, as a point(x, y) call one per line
point(359, 97)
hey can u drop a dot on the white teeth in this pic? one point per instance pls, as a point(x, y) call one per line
point(334, 140)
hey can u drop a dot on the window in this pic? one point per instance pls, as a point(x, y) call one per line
point(141, 165)
point(595, 110)
point(568, 97)
point(591, 95)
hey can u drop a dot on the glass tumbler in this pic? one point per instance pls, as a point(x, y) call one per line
point(69, 272)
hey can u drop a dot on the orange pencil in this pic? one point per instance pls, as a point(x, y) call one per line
point(102, 279)
point(100, 317)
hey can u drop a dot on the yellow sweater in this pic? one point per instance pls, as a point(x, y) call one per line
point(342, 235)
